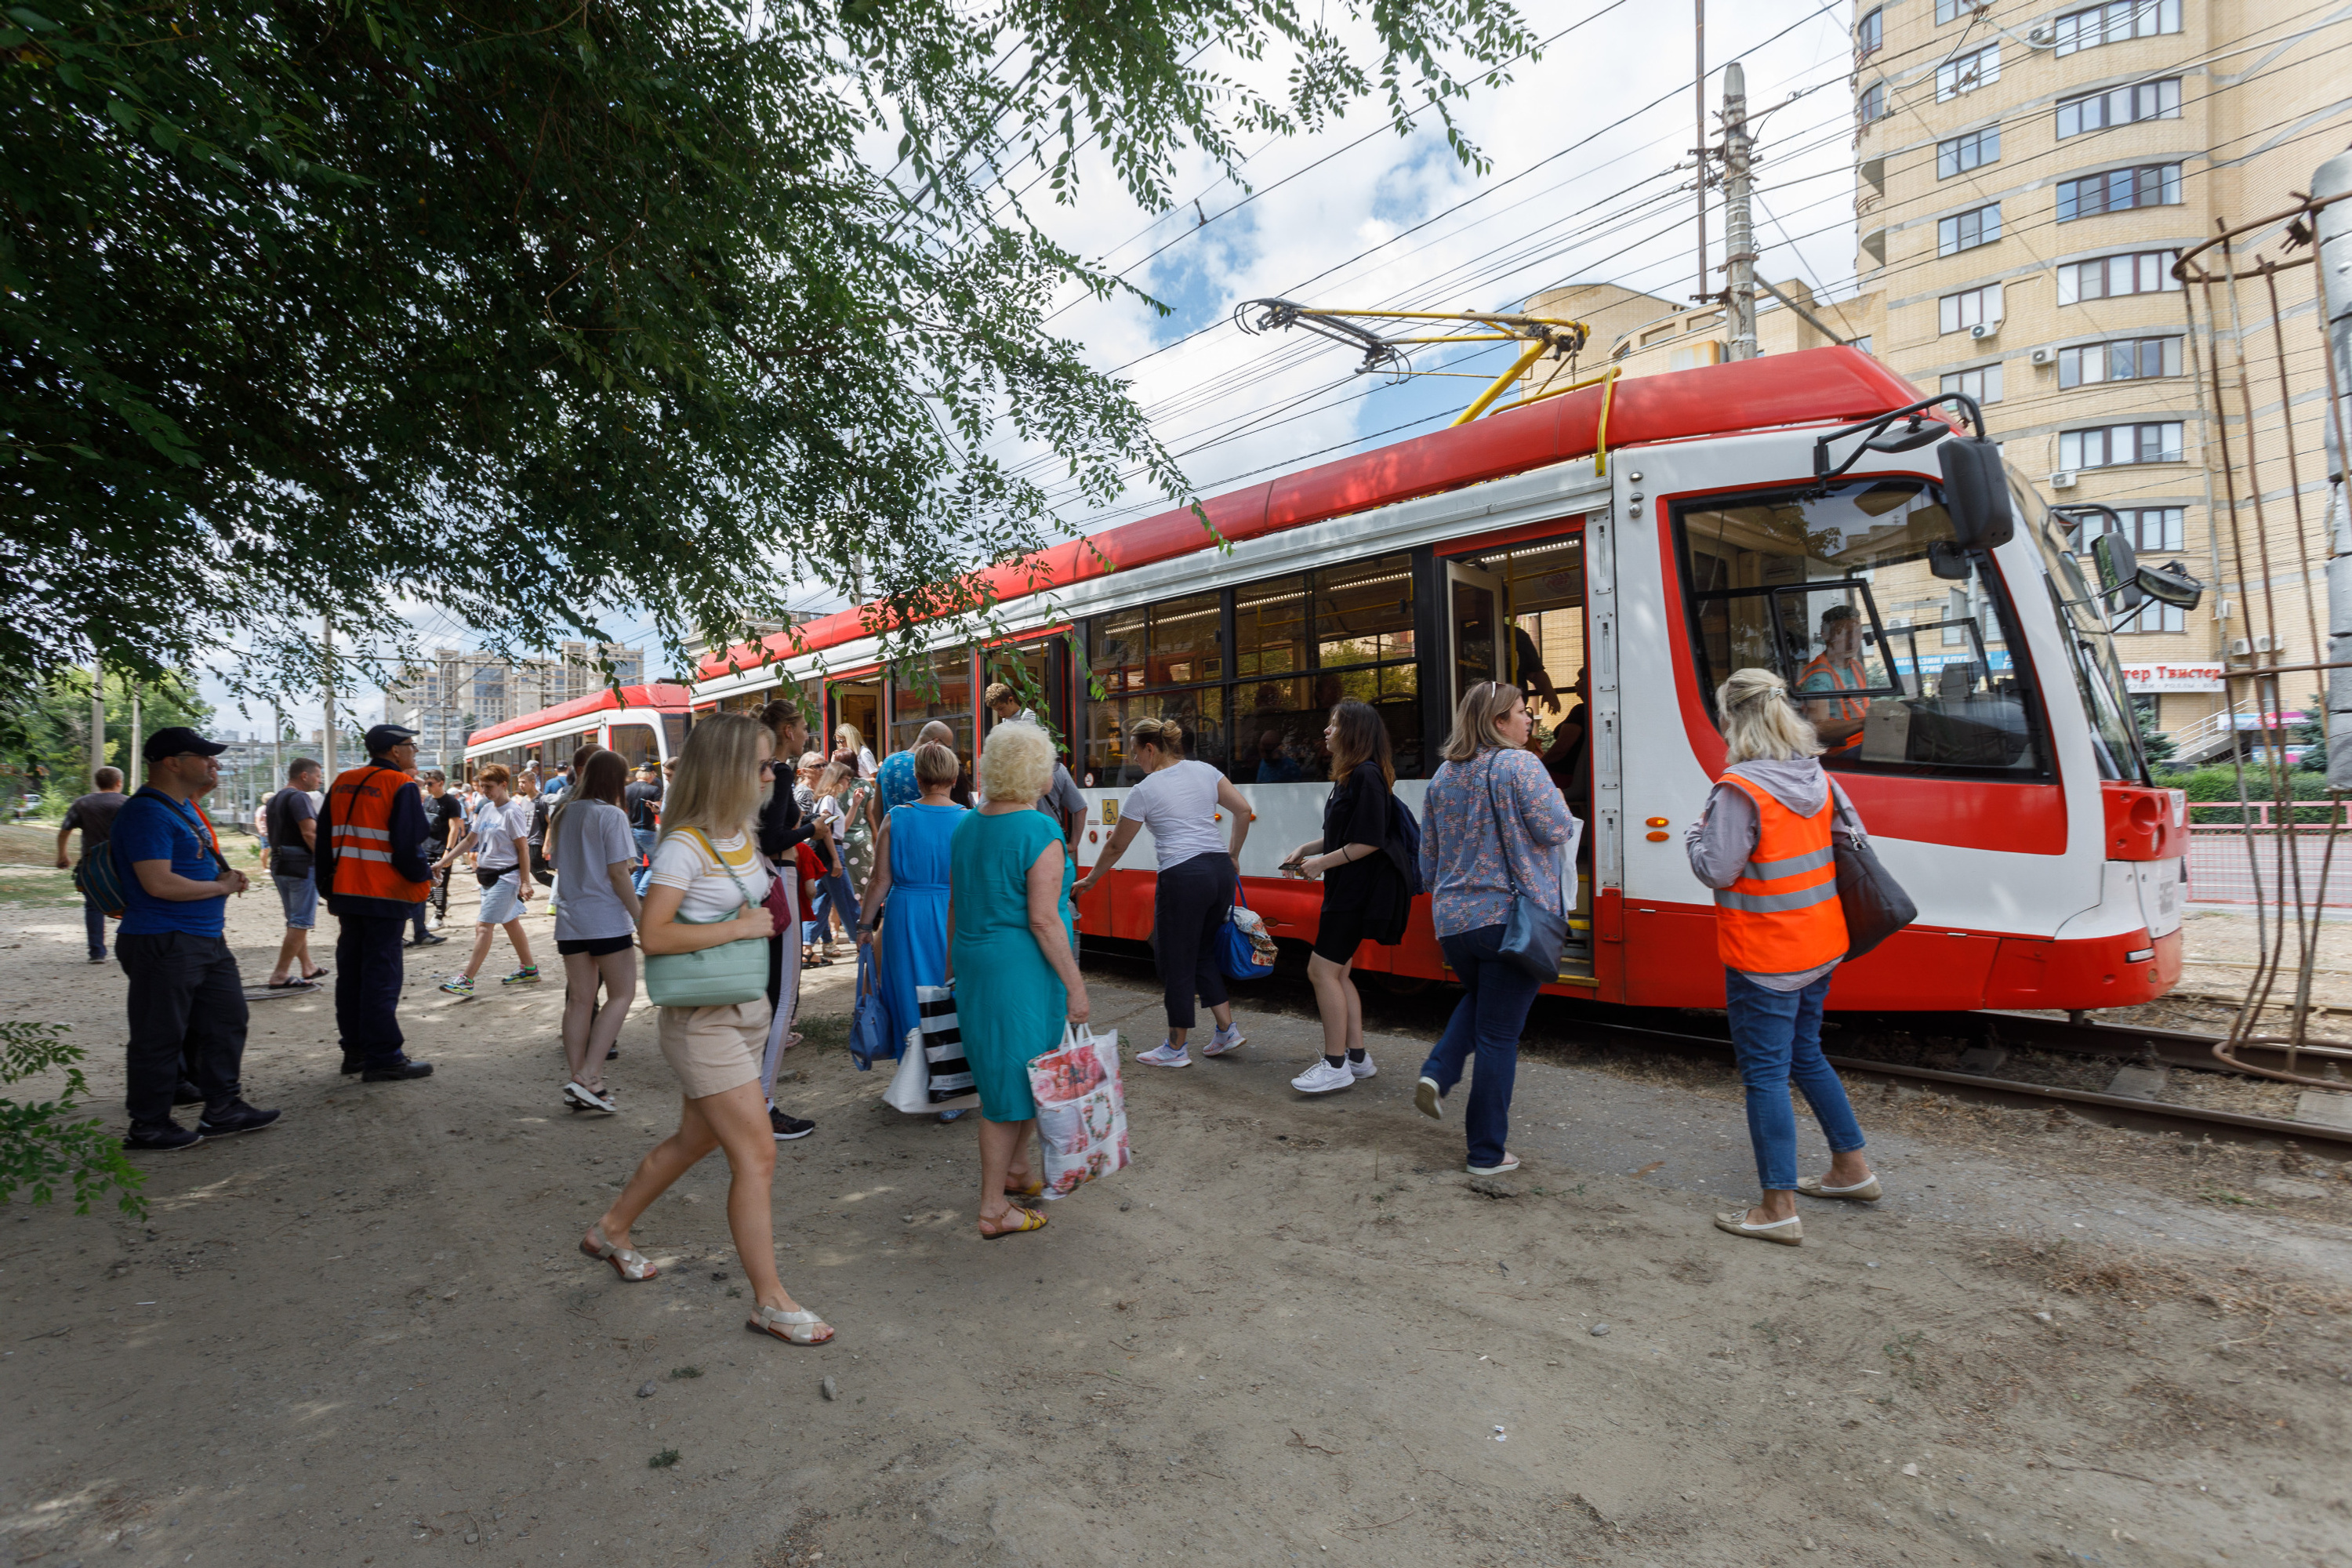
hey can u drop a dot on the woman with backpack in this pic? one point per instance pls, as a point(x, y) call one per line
point(1365, 894)
point(1763, 843)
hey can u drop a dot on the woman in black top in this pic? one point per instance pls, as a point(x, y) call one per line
point(1364, 893)
point(782, 832)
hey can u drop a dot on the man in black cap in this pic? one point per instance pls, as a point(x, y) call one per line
point(186, 999)
point(372, 869)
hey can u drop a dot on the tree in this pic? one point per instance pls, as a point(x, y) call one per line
point(45, 727)
point(2154, 744)
point(46, 1142)
point(522, 309)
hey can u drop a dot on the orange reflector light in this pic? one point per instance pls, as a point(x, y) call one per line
point(1653, 822)
point(1658, 837)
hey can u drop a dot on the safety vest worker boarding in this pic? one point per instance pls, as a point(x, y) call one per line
point(1823, 674)
point(1781, 916)
point(359, 815)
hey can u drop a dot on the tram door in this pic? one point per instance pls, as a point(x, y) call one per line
point(857, 703)
point(1476, 606)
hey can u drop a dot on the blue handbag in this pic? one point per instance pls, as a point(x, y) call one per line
point(869, 1023)
point(1238, 955)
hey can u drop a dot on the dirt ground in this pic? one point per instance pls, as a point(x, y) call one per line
point(1291, 1333)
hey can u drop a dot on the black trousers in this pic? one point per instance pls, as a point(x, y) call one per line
point(367, 986)
point(186, 1003)
point(1189, 906)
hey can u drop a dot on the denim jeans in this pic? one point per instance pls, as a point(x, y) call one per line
point(93, 921)
point(1777, 1036)
point(646, 839)
point(833, 897)
point(1488, 1021)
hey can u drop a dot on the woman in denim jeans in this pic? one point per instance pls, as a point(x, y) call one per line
point(1763, 844)
point(1492, 820)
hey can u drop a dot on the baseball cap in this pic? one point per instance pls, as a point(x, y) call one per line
point(178, 741)
point(384, 737)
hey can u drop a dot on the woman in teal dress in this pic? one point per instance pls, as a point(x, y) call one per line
point(1012, 958)
point(910, 872)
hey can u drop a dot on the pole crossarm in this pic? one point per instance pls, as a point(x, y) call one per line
point(1390, 352)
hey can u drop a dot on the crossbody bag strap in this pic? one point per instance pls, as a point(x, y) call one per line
point(1510, 873)
point(723, 866)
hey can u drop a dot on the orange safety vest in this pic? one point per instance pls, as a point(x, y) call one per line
point(359, 825)
point(1781, 915)
point(1847, 707)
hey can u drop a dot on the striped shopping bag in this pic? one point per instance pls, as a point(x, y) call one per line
point(951, 1074)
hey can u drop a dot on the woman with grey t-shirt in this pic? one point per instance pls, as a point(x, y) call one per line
point(596, 856)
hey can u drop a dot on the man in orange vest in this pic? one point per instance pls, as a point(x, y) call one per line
point(373, 869)
point(1837, 668)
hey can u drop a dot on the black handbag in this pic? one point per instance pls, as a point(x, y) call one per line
point(1533, 936)
point(1874, 904)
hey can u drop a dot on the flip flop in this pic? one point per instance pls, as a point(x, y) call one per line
point(316, 975)
point(1030, 1220)
point(298, 984)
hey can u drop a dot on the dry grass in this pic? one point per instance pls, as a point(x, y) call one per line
point(2094, 1271)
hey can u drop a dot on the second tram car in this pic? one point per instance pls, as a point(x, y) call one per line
point(643, 723)
point(1621, 549)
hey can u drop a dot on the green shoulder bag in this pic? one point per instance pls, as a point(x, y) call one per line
point(721, 976)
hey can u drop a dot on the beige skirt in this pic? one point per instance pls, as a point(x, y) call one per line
point(714, 1049)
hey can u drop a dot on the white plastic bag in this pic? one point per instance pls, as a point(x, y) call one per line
point(932, 1073)
point(1081, 1108)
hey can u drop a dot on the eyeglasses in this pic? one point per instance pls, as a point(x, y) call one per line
point(768, 767)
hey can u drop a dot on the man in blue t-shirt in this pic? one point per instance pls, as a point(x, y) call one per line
point(186, 999)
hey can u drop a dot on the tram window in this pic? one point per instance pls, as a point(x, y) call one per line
point(673, 727)
point(636, 745)
point(1900, 669)
point(922, 690)
point(1200, 711)
point(1270, 628)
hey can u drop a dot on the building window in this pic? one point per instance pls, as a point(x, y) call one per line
point(1872, 105)
point(2120, 106)
point(2119, 190)
point(1983, 383)
point(2127, 359)
point(1953, 10)
point(1970, 308)
point(2116, 22)
point(2120, 446)
point(1966, 231)
point(1869, 34)
point(2154, 531)
point(2140, 272)
point(1862, 343)
point(1965, 73)
point(1961, 153)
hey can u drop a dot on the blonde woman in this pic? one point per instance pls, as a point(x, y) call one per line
point(708, 888)
point(850, 750)
point(1011, 938)
point(1763, 844)
point(1488, 825)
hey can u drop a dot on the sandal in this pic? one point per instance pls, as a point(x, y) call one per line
point(317, 974)
point(1034, 1189)
point(627, 1262)
point(580, 1097)
point(296, 983)
point(1867, 1191)
point(797, 1327)
point(1031, 1219)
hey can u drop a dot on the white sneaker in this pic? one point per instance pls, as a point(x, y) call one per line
point(1224, 1040)
point(1429, 1099)
point(1323, 1077)
point(1164, 1054)
point(1362, 1068)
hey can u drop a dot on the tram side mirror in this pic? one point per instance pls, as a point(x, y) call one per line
point(1907, 437)
point(2116, 565)
point(2170, 585)
point(1975, 492)
point(1947, 561)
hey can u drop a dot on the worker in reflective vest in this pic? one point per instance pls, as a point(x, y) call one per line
point(373, 869)
point(1837, 668)
point(1764, 846)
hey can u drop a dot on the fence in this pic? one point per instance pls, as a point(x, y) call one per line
point(2219, 871)
point(2229, 813)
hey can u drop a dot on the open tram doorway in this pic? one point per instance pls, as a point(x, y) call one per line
point(856, 702)
point(1038, 672)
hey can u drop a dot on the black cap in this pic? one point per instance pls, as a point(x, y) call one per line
point(178, 741)
point(384, 737)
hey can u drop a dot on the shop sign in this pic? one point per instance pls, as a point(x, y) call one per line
point(2172, 677)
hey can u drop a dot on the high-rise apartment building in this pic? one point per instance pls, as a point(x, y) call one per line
point(455, 692)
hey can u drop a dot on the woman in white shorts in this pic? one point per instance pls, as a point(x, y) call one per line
point(496, 835)
point(708, 889)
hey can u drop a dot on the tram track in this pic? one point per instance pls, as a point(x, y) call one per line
point(1994, 1033)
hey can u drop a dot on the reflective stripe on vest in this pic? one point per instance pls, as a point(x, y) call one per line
point(359, 826)
point(1781, 915)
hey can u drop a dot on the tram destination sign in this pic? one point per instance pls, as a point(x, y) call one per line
point(2172, 677)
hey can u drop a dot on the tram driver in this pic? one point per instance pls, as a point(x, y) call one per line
point(1837, 668)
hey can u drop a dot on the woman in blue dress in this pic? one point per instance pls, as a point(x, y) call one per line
point(1013, 955)
point(910, 870)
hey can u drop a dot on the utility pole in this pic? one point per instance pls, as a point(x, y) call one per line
point(2335, 179)
point(326, 735)
point(276, 743)
point(1739, 226)
point(97, 723)
point(1698, 148)
point(136, 733)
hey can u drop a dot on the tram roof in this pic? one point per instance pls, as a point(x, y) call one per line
point(1826, 385)
point(658, 694)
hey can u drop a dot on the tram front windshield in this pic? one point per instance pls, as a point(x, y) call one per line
point(1899, 646)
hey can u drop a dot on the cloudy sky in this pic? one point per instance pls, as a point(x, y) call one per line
point(1590, 181)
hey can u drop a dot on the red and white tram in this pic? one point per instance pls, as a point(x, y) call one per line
point(643, 723)
point(1657, 532)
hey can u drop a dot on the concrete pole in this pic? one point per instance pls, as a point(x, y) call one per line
point(2334, 178)
point(138, 735)
point(327, 640)
point(1698, 148)
point(98, 725)
point(276, 743)
point(1739, 226)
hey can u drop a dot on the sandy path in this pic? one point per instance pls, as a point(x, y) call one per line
point(1289, 1333)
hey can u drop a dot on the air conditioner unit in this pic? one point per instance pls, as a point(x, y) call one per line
point(2240, 647)
point(2224, 608)
point(2044, 356)
point(2262, 644)
point(2063, 479)
point(1984, 330)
